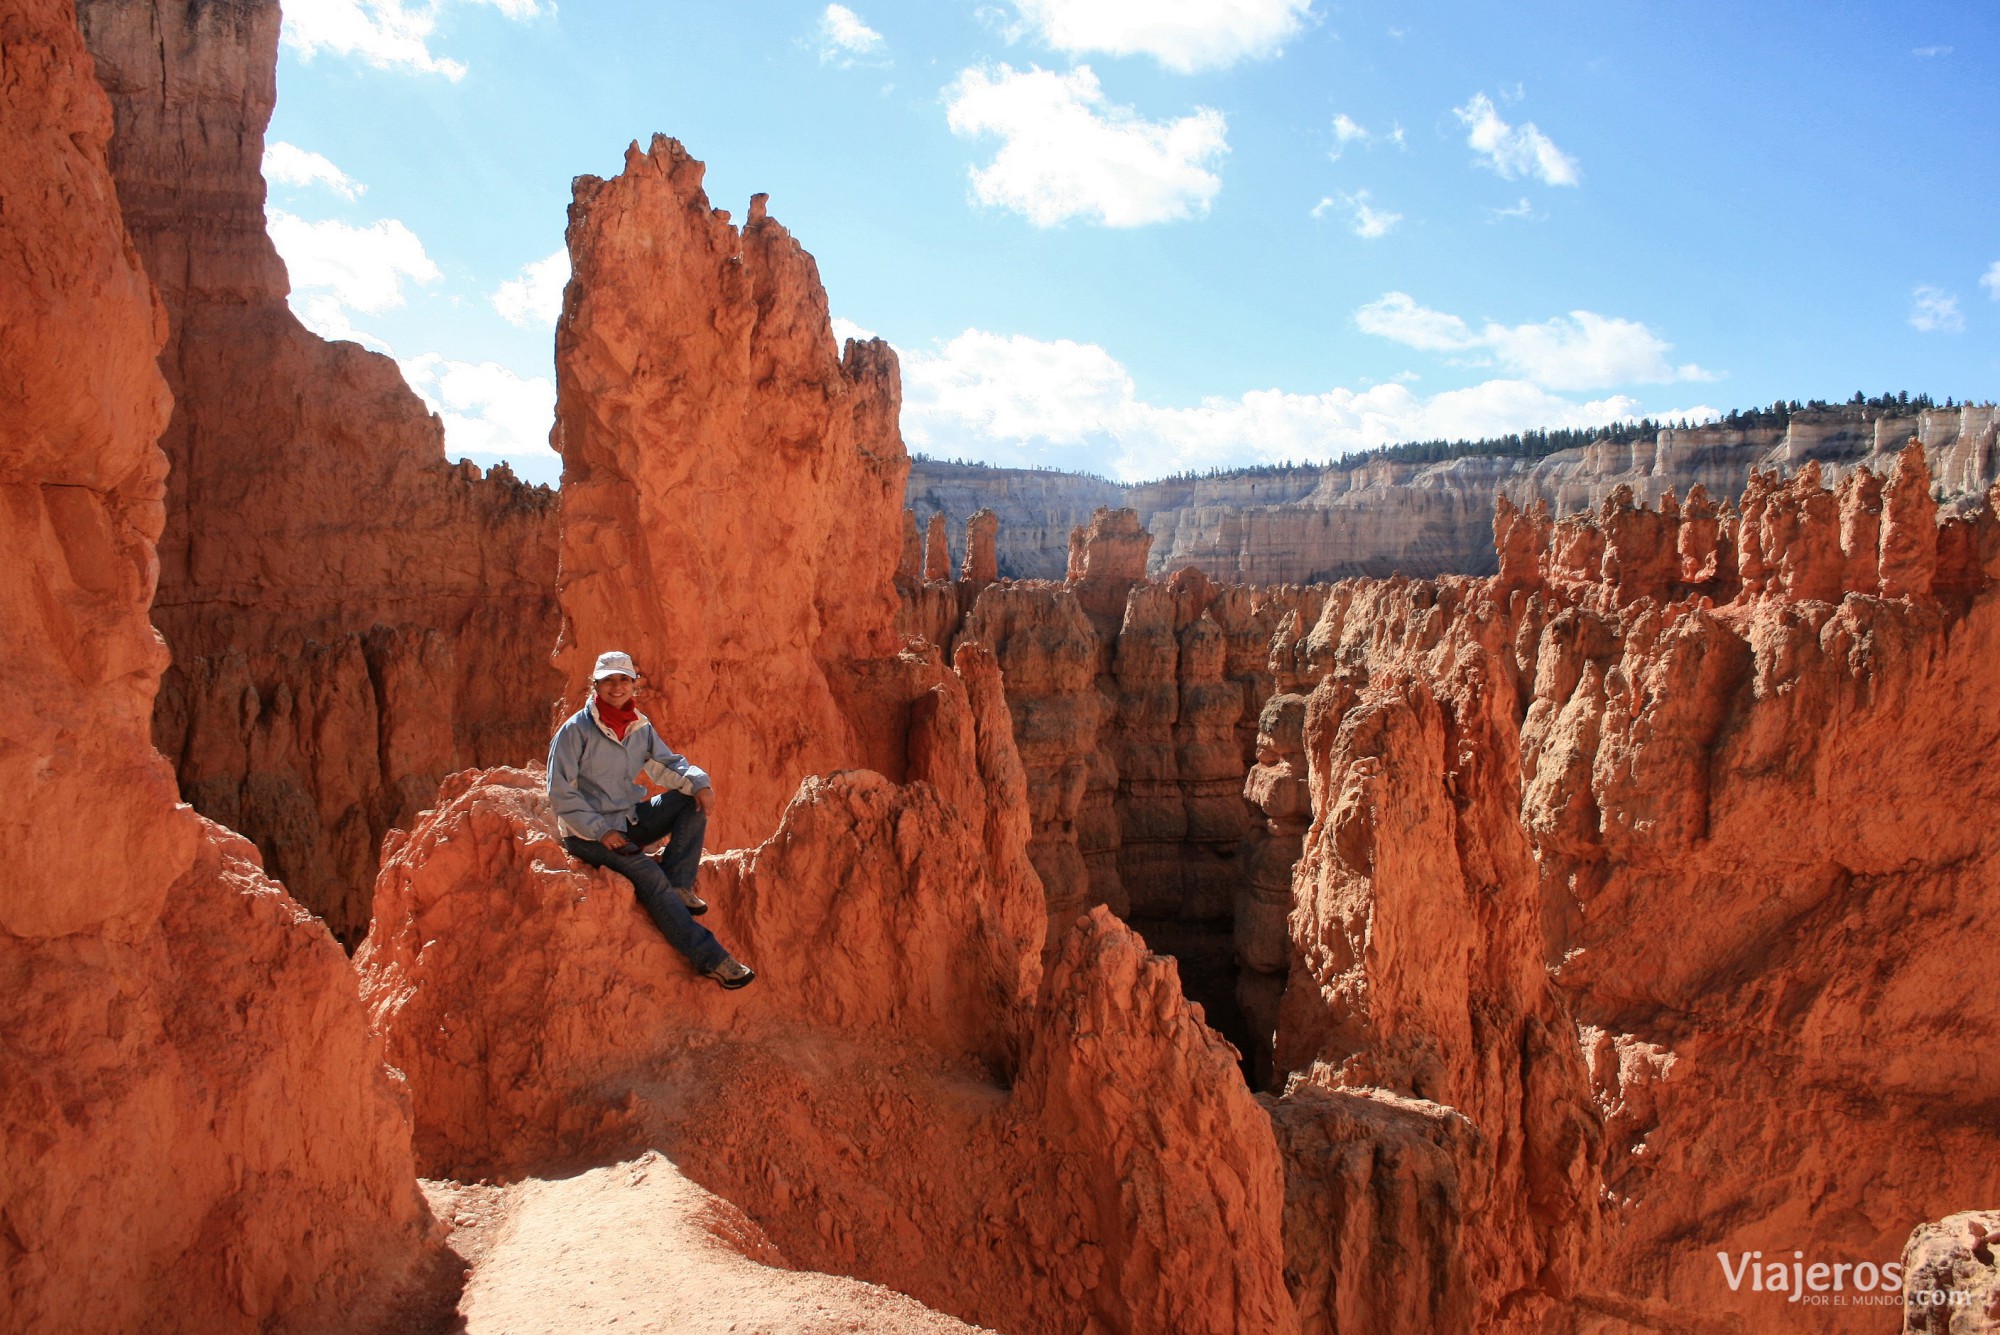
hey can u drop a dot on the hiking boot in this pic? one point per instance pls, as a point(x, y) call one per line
point(691, 901)
point(731, 973)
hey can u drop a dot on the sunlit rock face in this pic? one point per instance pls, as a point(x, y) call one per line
point(351, 618)
point(1306, 524)
point(196, 1131)
point(732, 486)
point(1706, 788)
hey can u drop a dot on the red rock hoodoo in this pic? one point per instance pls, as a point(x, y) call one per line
point(196, 1131)
point(1135, 707)
point(932, 1111)
point(732, 487)
point(351, 618)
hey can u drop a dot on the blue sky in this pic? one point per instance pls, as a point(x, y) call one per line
point(1135, 237)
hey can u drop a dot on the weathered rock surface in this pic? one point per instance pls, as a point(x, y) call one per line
point(1379, 518)
point(1951, 1282)
point(1037, 509)
point(351, 618)
point(196, 1132)
point(731, 487)
point(1675, 780)
point(1134, 706)
point(931, 1113)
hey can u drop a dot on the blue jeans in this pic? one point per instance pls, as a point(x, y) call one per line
point(676, 816)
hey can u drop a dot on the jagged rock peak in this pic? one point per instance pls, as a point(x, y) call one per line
point(1794, 539)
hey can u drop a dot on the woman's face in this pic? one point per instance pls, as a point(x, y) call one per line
point(616, 691)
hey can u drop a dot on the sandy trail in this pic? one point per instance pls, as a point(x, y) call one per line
point(637, 1247)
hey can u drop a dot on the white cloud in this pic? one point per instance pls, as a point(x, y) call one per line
point(1935, 311)
point(1347, 130)
point(1366, 220)
point(288, 164)
point(387, 34)
point(844, 329)
point(1397, 316)
point(1023, 401)
point(336, 268)
point(1523, 210)
point(843, 37)
point(1182, 35)
point(1514, 151)
point(1578, 351)
point(1067, 152)
point(1926, 52)
point(1990, 280)
point(486, 408)
point(534, 300)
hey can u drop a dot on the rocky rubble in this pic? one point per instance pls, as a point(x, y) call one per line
point(196, 1131)
point(351, 618)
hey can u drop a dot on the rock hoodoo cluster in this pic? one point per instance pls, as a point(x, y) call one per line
point(351, 619)
point(1577, 923)
point(1380, 516)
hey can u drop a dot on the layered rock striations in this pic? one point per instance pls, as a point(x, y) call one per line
point(732, 484)
point(1036, 508)
point(350, 617)
point(1380, 517)
point(1673, 779)
point(196, 1132)
point(1135, 707)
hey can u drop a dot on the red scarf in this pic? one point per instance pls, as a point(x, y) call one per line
point(618, 720)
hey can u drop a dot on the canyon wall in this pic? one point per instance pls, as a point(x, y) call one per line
point(351, 618)
point(1379, 517)
point(196, 1132)
point(1709, 789)
point(1036, 507)
point(1135, 707)
point(713, 437)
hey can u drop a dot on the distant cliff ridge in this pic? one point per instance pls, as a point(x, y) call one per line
point(1379, 516)
point(1037, 509)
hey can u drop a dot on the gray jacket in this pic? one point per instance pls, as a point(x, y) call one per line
point(594, 777)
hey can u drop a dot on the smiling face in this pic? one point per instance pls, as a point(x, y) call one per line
point(616, 691)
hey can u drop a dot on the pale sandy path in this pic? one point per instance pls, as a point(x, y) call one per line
point(636, 1247)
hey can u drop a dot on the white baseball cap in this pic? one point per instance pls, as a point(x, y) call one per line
point(614, 663)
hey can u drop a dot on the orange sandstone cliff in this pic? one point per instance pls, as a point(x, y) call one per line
point(351, 618)
point(196, 1132)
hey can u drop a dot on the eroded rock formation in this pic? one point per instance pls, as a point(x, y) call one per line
point(1677, 777)
point(731, 487)
point(1381, 517)
point(1951, 1281)
point(1134, 707)
point(351, 618)
point(196, 1132)
point(931, 1112)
